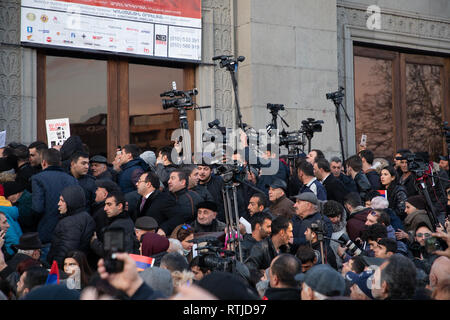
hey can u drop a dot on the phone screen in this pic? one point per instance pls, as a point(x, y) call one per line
point(113, 240)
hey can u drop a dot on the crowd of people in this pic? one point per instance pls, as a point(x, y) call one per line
point(318, 229)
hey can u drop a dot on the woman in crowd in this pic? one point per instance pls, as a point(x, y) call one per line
point(185, 233)
point(396, 194)
point(77, 267)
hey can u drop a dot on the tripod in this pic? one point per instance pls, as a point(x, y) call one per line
point(337, 98)
point(232, 220)
point(423, 189)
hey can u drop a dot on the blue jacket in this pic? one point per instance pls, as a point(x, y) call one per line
point(299, 228)
point(47, 186)
point(130, 174)
point(14, 232)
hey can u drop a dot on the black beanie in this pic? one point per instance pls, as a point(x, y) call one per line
point(12, 187)
point(416, 201)
point(207, 205)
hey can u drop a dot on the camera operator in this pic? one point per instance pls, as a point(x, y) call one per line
point(214, 185)
point(306, 210)
point(406, 178)
point(443, 163)
point(271, 154)
point(313, 228)
point(422, 258)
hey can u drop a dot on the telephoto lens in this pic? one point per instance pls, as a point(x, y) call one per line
point(351, 246)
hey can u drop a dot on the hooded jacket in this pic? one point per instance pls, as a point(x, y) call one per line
point(47, 186)
point(14, 232)
point(130, 174)
point(414, 219)
point(69, 147)
point(75, 227)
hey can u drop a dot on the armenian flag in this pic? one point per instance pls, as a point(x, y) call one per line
point(383, 193)
point(53, 276)
point(142, 262)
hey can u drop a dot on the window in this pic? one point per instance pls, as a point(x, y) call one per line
point(399, 101)
point(76, 89)
point(109, 102)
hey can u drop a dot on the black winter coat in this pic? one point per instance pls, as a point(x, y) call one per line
point(335, 189)
point(214, 186)
point(121, 221)
point(184, 210)
point(74, 229)
point(158, 206)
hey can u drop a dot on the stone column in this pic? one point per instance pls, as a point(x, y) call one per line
point(291, 58)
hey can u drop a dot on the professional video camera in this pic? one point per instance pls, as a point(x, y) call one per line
point(417, 165)
point(275, 107)
point(231, 172)
point(184, 100)
point(337, 95)
point(288, 138)
point(310, 125)
point(211, 134)
point(213, 256)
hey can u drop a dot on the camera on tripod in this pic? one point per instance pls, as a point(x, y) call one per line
point(288, 138)
point(310, 125)
point(184, 100)
point(417, 164)
point(231, 172)
point(212, 256)
point(275, 107)
point(336, 95)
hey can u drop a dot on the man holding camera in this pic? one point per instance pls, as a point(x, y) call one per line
point(314, 235)
point(307, 210)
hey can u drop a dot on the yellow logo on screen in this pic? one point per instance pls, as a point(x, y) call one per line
point(31, 16)
point(44, 18)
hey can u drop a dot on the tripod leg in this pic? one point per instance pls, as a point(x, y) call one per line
point(236, 210)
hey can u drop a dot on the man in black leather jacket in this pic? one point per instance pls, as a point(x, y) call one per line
point(263, 252)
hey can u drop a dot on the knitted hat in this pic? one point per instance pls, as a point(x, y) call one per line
point(158, 279)
point(149, 157)
point(12, 187)
point(207, 205)
point(417, 202)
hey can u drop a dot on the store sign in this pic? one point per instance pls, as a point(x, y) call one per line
point(150, 28)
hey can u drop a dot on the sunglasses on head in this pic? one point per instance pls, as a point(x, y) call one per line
point(186, 226)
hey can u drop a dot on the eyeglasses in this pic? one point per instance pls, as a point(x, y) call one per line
point(141, 181)
point(426, 235)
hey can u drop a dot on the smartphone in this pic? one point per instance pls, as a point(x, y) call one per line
point(113, 242)
point(431, 245)
point(363, 142)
